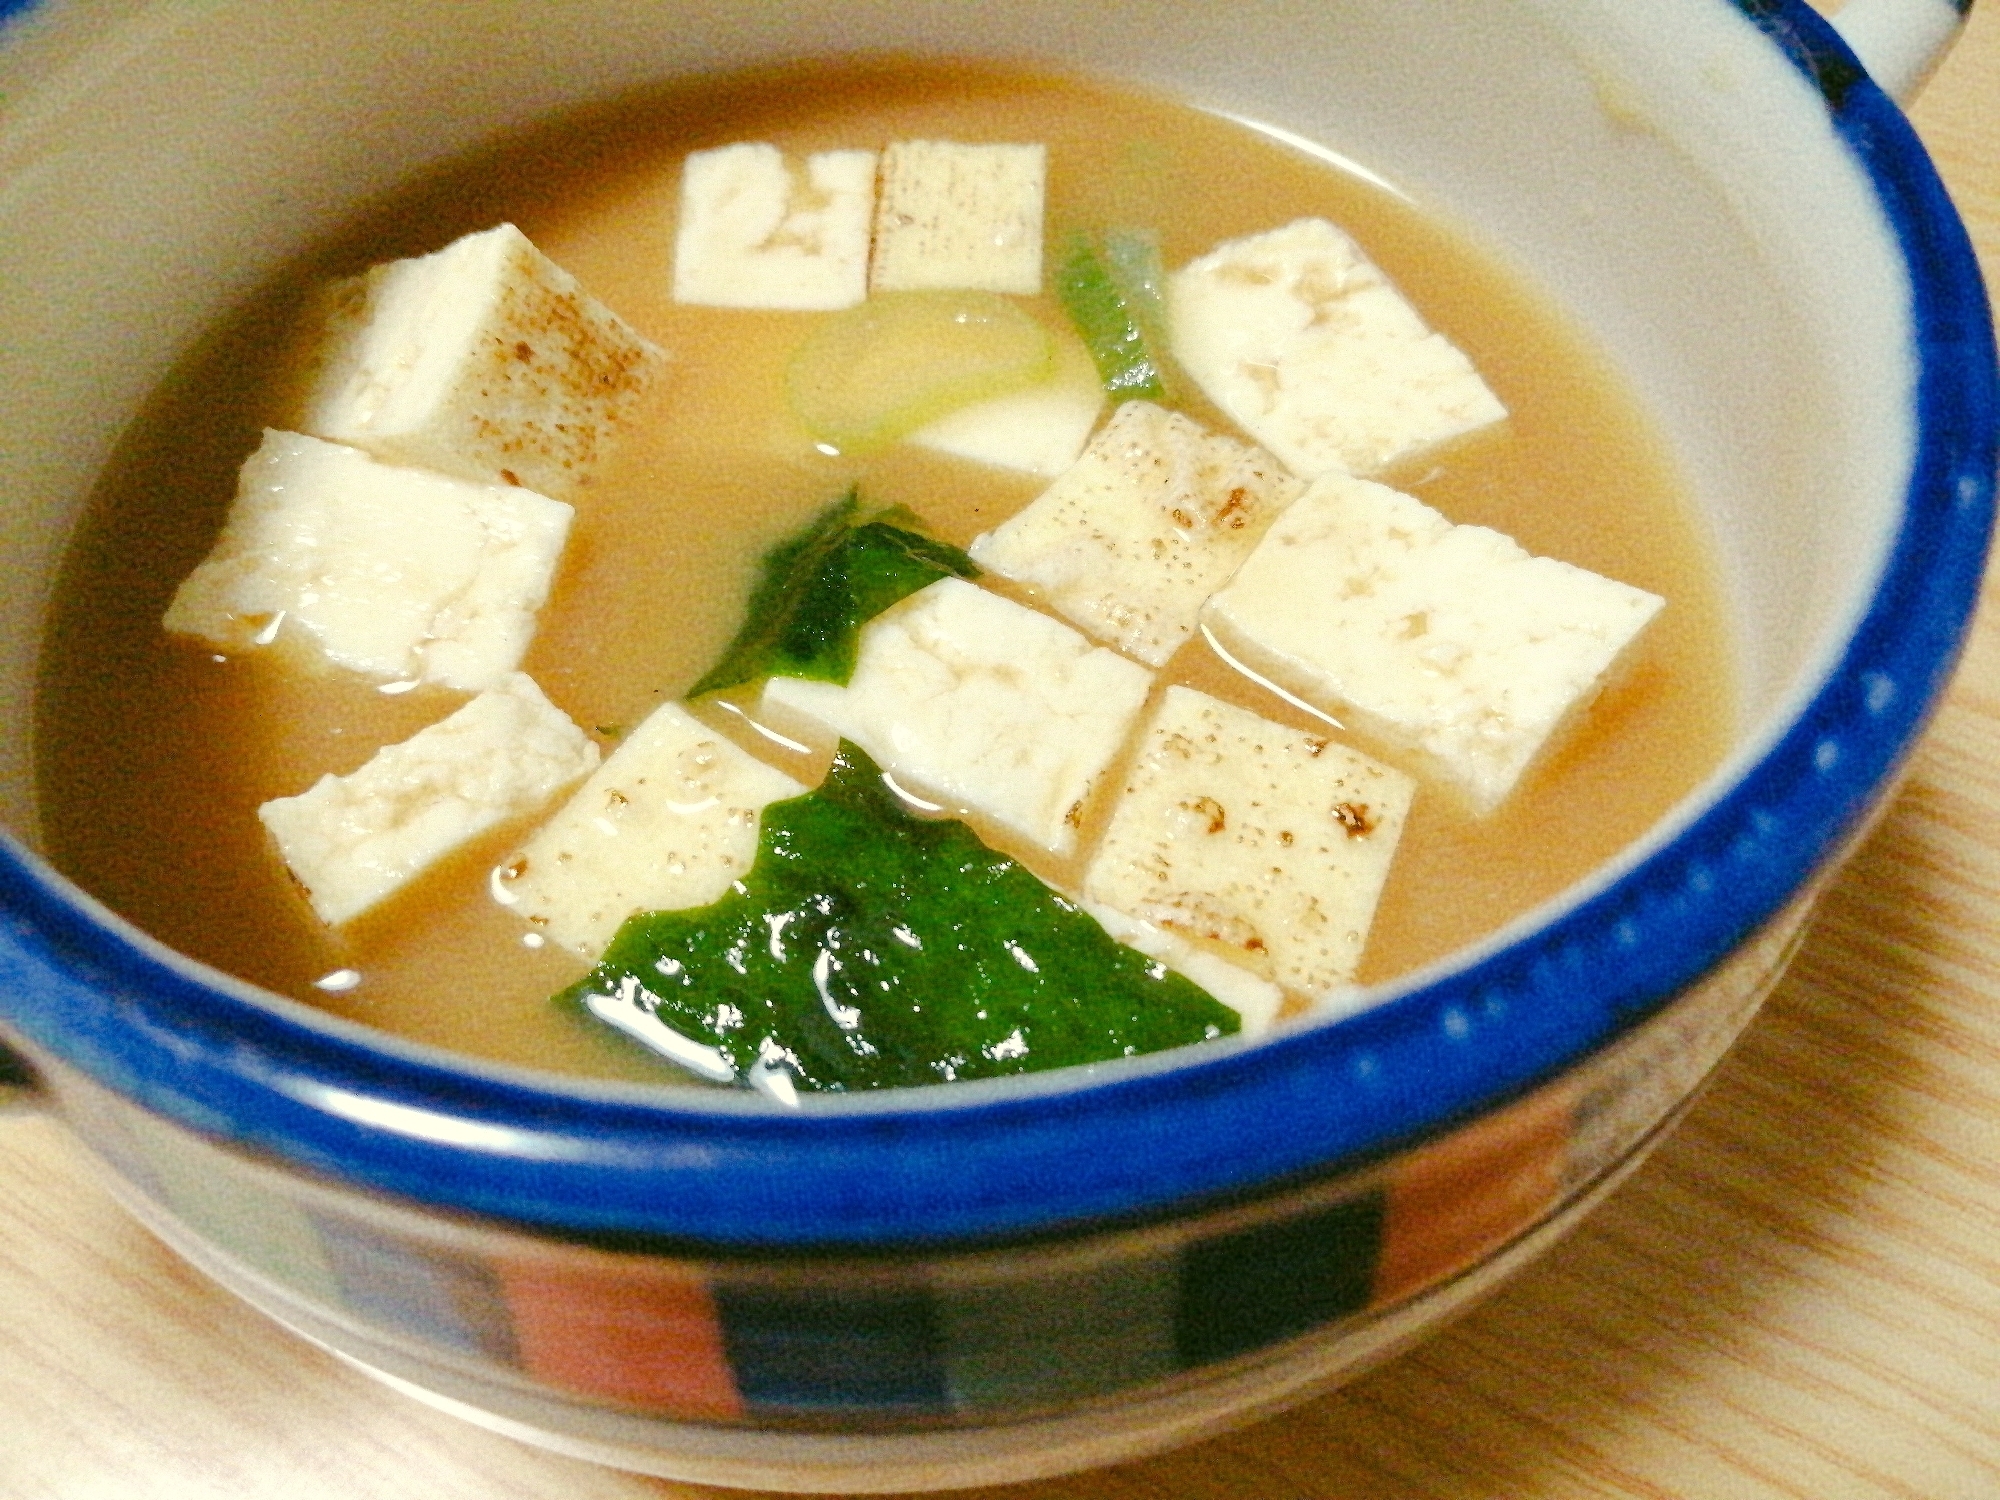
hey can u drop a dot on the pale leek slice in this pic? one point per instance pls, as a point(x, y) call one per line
point(873, 373)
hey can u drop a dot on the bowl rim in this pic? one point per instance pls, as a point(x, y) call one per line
point(1040, 1155)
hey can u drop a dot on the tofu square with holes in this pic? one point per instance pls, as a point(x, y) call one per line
point(983, 703)
point(669, 821)
point(1253, 841)
point(1130, 541)
point(1306, 345)
point(353, 841)
point(394, 573)
point(485, 360)
point(1451, 648)
point(759, 230)
point(951, 214)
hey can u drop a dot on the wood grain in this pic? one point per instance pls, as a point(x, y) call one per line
point(1798, 1297)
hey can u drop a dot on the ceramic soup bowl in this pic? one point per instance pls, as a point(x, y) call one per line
point(1003, 1279)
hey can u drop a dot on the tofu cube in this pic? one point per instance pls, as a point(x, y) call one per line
point(354, 840)
point(1300, 338)
point(1132, 539)
point(667, 822)
point(1449, 647)
point(983, 703)
point(949, 214)
point(1256, 1001)
point(756, 231)
point(395, 573)
point(1039, 430)
point(485, 360)
point(1259, 843)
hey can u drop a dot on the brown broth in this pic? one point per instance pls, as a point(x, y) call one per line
point(153, 755)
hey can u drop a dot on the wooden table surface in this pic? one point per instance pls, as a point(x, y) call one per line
point(1799, 1296)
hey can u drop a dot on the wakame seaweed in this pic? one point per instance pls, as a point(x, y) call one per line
point(870, 948)
point(820, 586)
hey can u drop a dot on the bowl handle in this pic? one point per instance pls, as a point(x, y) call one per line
point(1900, 42)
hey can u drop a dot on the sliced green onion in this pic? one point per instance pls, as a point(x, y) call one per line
point(877, 371)
point(1114, 291)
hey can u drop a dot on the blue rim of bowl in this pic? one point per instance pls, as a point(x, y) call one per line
point(976, 1164)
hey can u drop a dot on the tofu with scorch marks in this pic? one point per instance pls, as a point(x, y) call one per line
point(485, 360)
point(353, 841)
point(395, 573)
point(1259, 843)
point(759, 231)
point(984, 703)
point(1131, 540)
point(1306, 345)
point(952, 214)
point(1450, 648)
point(667, 822)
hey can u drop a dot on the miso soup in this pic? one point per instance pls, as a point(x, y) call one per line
point(153, 754)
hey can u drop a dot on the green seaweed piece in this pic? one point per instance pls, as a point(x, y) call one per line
point(822, 585)
point(870, 948)
point(1114, 291)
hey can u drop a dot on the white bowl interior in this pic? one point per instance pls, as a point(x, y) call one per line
point(1660, 170)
